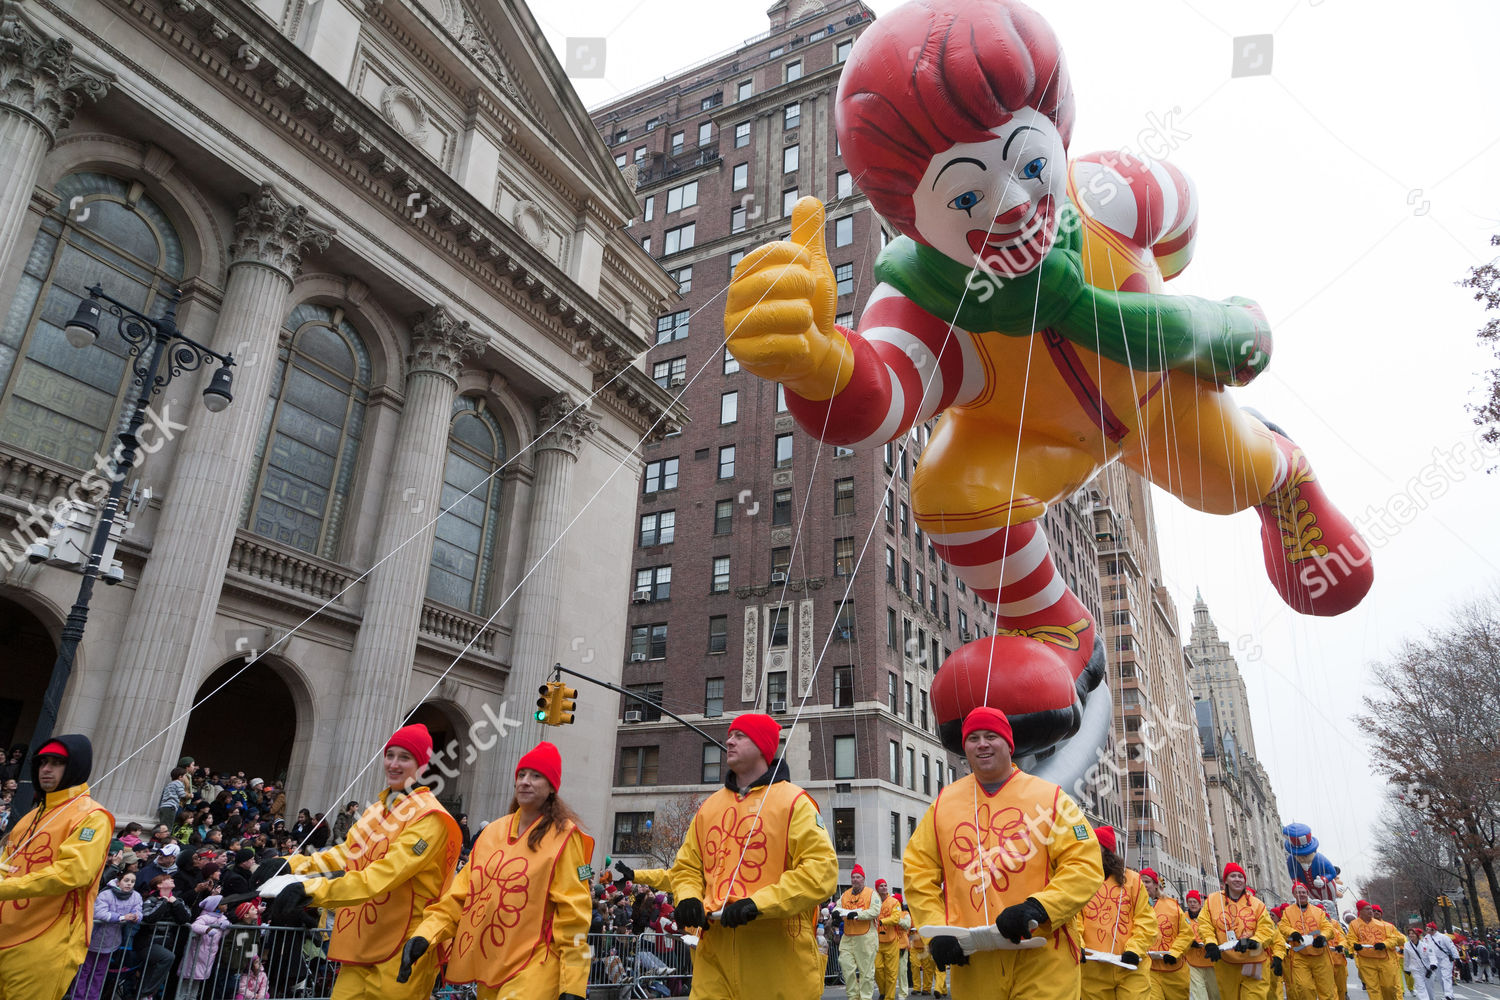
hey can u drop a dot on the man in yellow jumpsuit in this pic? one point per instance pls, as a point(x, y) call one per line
point(1377, 952)
point(928, 978)
point(1310, 935)
point(888, 954)
point(1002, 846)
point(1118, 921)
point(397, 859)
point(1174, 936)
point(859, 906)
point(49, 875)
point(1238, 936)
point(758, 853)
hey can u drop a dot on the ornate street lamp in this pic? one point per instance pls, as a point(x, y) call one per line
point(162, 352)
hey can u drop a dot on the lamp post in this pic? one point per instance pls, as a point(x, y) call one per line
point(155, 344)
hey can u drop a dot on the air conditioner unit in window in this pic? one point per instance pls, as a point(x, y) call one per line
point(676, 382)
point(633, 716)
point(963, 635)
point(642, 596)
point(637, 657)
point(778, 577)
point(844, 633)
point(778, 707)
point(843, 787)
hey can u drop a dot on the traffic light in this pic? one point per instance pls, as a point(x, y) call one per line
point(556, 704)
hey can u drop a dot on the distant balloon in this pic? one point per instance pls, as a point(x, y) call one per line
point(1306, 865)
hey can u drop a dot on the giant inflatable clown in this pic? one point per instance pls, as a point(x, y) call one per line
point(1307, 865)
point(1022, 302)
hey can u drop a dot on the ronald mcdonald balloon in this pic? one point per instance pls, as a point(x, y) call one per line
point(1023, 303)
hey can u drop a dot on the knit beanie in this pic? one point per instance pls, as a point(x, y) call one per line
point(415, 740)
point(544, 759)
point(764, 732)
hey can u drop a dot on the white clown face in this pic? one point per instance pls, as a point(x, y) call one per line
point(995, 202)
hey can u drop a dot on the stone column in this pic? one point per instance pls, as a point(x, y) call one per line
point(380, 664)
point(536, 643)
point(169, 631)
point(41, 86)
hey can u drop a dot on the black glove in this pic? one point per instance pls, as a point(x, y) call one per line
point(625, 870)
point(1431, 969)
point(739, 913)
point(945, 951)
point(1358, 946)
point(1296, 937)
point(689, 913)
point(287, 904)
point(1014, 922)
point(1250, 944)
point(1211, 952)
point(1380, 946)
point(1340, 949)
point(1130, 958)
point(1276, 964)
point(1319, 941)
point(1169, 959)
point(410, 954)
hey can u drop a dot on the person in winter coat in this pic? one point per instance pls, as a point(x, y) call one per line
point(49, 874)
point(118, 906)
point(254, 983)
point(1119, 921)
point(345, 822)
point(203, 947)
point(156, 944)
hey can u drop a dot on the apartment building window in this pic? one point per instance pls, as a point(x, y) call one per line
point(906, 576)
point(744, 90)
point(794, 71)
point(776, 691)
point(718, 633)
point(681, 238)
point(620, 136)
point(705, 133)
point(845, 320)
point(905, 517)
point(684, 278)
point(660, 475)
point(911, 768)
point(783, 451)
point(682, 196)
point(789, 158)
point(723, 517)
point(649, 641)
point(649, 211)
point(713, 763)
point(842, 49)
point(659, 528)
point(678, 140)
point(843, 496)
point(843, 831)
point(619, 159)
point(890, 565)
point(907, 646)
point(711, 101)
point(647, 701)
point(731, 363)
point(895, 762)
point(843, 230)
point(781, 507)
point(729, 407)
point(843, 184)
point(963, 624)
point(843, 619)
point(741, 135)
point(672, 370)
point(843, 757)
point(890, 507)
point(788, 202)
point(646, 244)
point(780, 398)
point(895, 836)
point(713, 696)
point(672, 326)
point(638, 766)
point(640, 154)
point(921, 586)
point(890, 627)
point(720, 581)
point(791, 116)
point(726, 461)
point(633, 832)
point(947, 621)
point(781, 559)
point(843, 556)
point(844, 275)
point(893, 693)
point(922, 709)
point(932, 597)
point(655, 579)
point(737, 220)
point(778, 622)
point(843, 689)
point(911, 703)
point(926, 775)
point(740, 176)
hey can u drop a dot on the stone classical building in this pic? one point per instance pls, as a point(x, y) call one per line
point(401, 222)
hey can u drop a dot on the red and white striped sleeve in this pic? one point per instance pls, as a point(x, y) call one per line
point(908, 366)
point(1149, 202)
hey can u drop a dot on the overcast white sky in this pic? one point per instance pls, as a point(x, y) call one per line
point(1346, 191)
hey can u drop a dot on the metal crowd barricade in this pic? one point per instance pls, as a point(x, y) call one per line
point(638, 966)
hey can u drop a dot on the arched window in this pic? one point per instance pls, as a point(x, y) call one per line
point(309, 443)
point(463, 551)
point(59, 401)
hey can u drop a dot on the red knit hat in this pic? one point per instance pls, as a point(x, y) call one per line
point(1377, 908)
point(53, 749)
point(992, 719)
point(857, 870)
point(1431, 926)
point(545, 760)
point(415, 740)
point(1151, 874)
point(1229, 869)
point(880, 882)
point(1361, 904)
point(1106, 835)
point(764, 732)
point(1194, 894)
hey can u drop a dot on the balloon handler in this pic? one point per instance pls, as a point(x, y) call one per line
point(1022, 302)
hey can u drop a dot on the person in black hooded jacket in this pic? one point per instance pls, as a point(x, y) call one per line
point(49, 874)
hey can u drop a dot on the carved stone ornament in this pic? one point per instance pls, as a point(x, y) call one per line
point(440, 342)
point(269, 231)
point(39, 76)
point(404, 111)
point(531, 223)
point(472, 41)
point(566, 423)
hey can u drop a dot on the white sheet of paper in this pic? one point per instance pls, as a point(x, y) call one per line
point(972, 939)
point(691, 940)
point(1108, 958)
point(1158, 954)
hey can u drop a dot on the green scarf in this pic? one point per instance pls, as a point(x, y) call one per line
point(1225, 342)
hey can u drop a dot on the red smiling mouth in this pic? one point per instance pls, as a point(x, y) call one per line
point(1021, 250)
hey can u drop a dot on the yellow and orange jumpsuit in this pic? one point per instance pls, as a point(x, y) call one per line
point(888, 954)
point(928, 977)
point(518, 918)
point(1222, 920)
point(1118, 919)
point(1380, 970)
point(49, 876)
point(1309, 971)
point(1339, 961)
point(975, 853)
point(396, 860)
point(859, 943)
point(768, 844)
point(1174, 936)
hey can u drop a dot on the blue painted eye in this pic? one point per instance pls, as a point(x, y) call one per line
point(1033, 170)
point(966, 201)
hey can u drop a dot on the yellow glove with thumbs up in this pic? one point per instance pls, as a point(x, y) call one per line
point(780, 309)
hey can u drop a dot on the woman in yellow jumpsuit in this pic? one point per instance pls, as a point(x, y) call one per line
point(518, 914)
point(1118, 921)
point(1170, 978)
point(1238, 936)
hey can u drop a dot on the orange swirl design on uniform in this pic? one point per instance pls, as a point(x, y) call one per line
point(741, 852)
point(996, 842)
point(735, 849)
